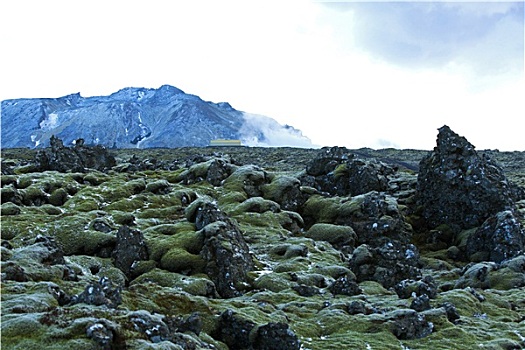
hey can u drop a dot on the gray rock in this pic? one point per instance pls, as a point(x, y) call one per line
point(275, 336)
point(102, 292)
point(345, 285)
point(336, 171)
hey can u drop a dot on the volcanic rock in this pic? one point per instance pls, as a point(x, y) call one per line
point(129, 250)
point(336, 171)
point(387, 264)
point(501, 237)
point(227, 255)
point(458, 187)
point(73, 159)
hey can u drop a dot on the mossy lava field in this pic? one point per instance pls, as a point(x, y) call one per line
point(263, 248)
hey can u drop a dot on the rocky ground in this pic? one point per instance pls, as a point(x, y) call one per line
point(263, 248)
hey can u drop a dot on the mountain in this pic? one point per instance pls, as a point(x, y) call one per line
point(138, 118)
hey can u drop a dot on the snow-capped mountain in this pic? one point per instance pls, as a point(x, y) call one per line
point(138, 117)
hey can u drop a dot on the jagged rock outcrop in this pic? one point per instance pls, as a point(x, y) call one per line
point(239, 333)
point(79, 158)
point(458, 187)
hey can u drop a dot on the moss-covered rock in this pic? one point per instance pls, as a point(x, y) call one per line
point(9, 209)
point(338, 236)
point(180, 260)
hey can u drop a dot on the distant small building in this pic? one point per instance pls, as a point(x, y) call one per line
point(225, 142)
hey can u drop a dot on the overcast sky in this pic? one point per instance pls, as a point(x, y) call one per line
point(348, 73)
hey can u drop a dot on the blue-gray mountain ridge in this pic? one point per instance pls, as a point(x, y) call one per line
point(138, 118)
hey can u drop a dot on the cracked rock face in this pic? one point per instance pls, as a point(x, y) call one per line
point(458, 187)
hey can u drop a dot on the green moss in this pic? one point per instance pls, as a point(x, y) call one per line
point(21, 331)
point(179, 260)
point(58, 197)
point(126, 205)
point(323, 210)
point(95, 178)
point(374, 288)
point(24, 181)
point(195, 284)
point(255, 205)
point(51, 209)
point(340, 171)
point(352, 208)
point(333, 234)
point(279, 187)
point(122, 218)
point(273, 281)
point(232, 197)
point(169, 213)
point(9, 209)
point(79, 241)
point(32, 194)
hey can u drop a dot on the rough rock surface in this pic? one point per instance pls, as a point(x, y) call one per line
point(459, 187)
point(225, 251)
point(339, 172)
point(129, 250)
point(387, 264)
point(73, 159)
point(501, 237)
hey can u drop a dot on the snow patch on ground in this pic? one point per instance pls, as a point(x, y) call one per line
point(50, 122)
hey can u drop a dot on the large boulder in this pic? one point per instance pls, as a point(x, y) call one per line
point(225, 251)
point(375, 218)
point(458, 187)
point(387, 264)
point(336, 171)
point(130, 249)
point(501, 237)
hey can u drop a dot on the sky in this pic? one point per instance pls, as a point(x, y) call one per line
point(354, 74)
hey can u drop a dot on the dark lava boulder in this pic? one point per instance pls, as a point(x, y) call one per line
point(130, 249)
point(387, 264)
point(458, 187)
point(501, 237)
point(408, 324)
point(227, 255)
point(336, 171)
point(275, 336)
point(242, 334)
point(375, 218)
point(212, 170)
point(74, 159)
point(102, 292)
